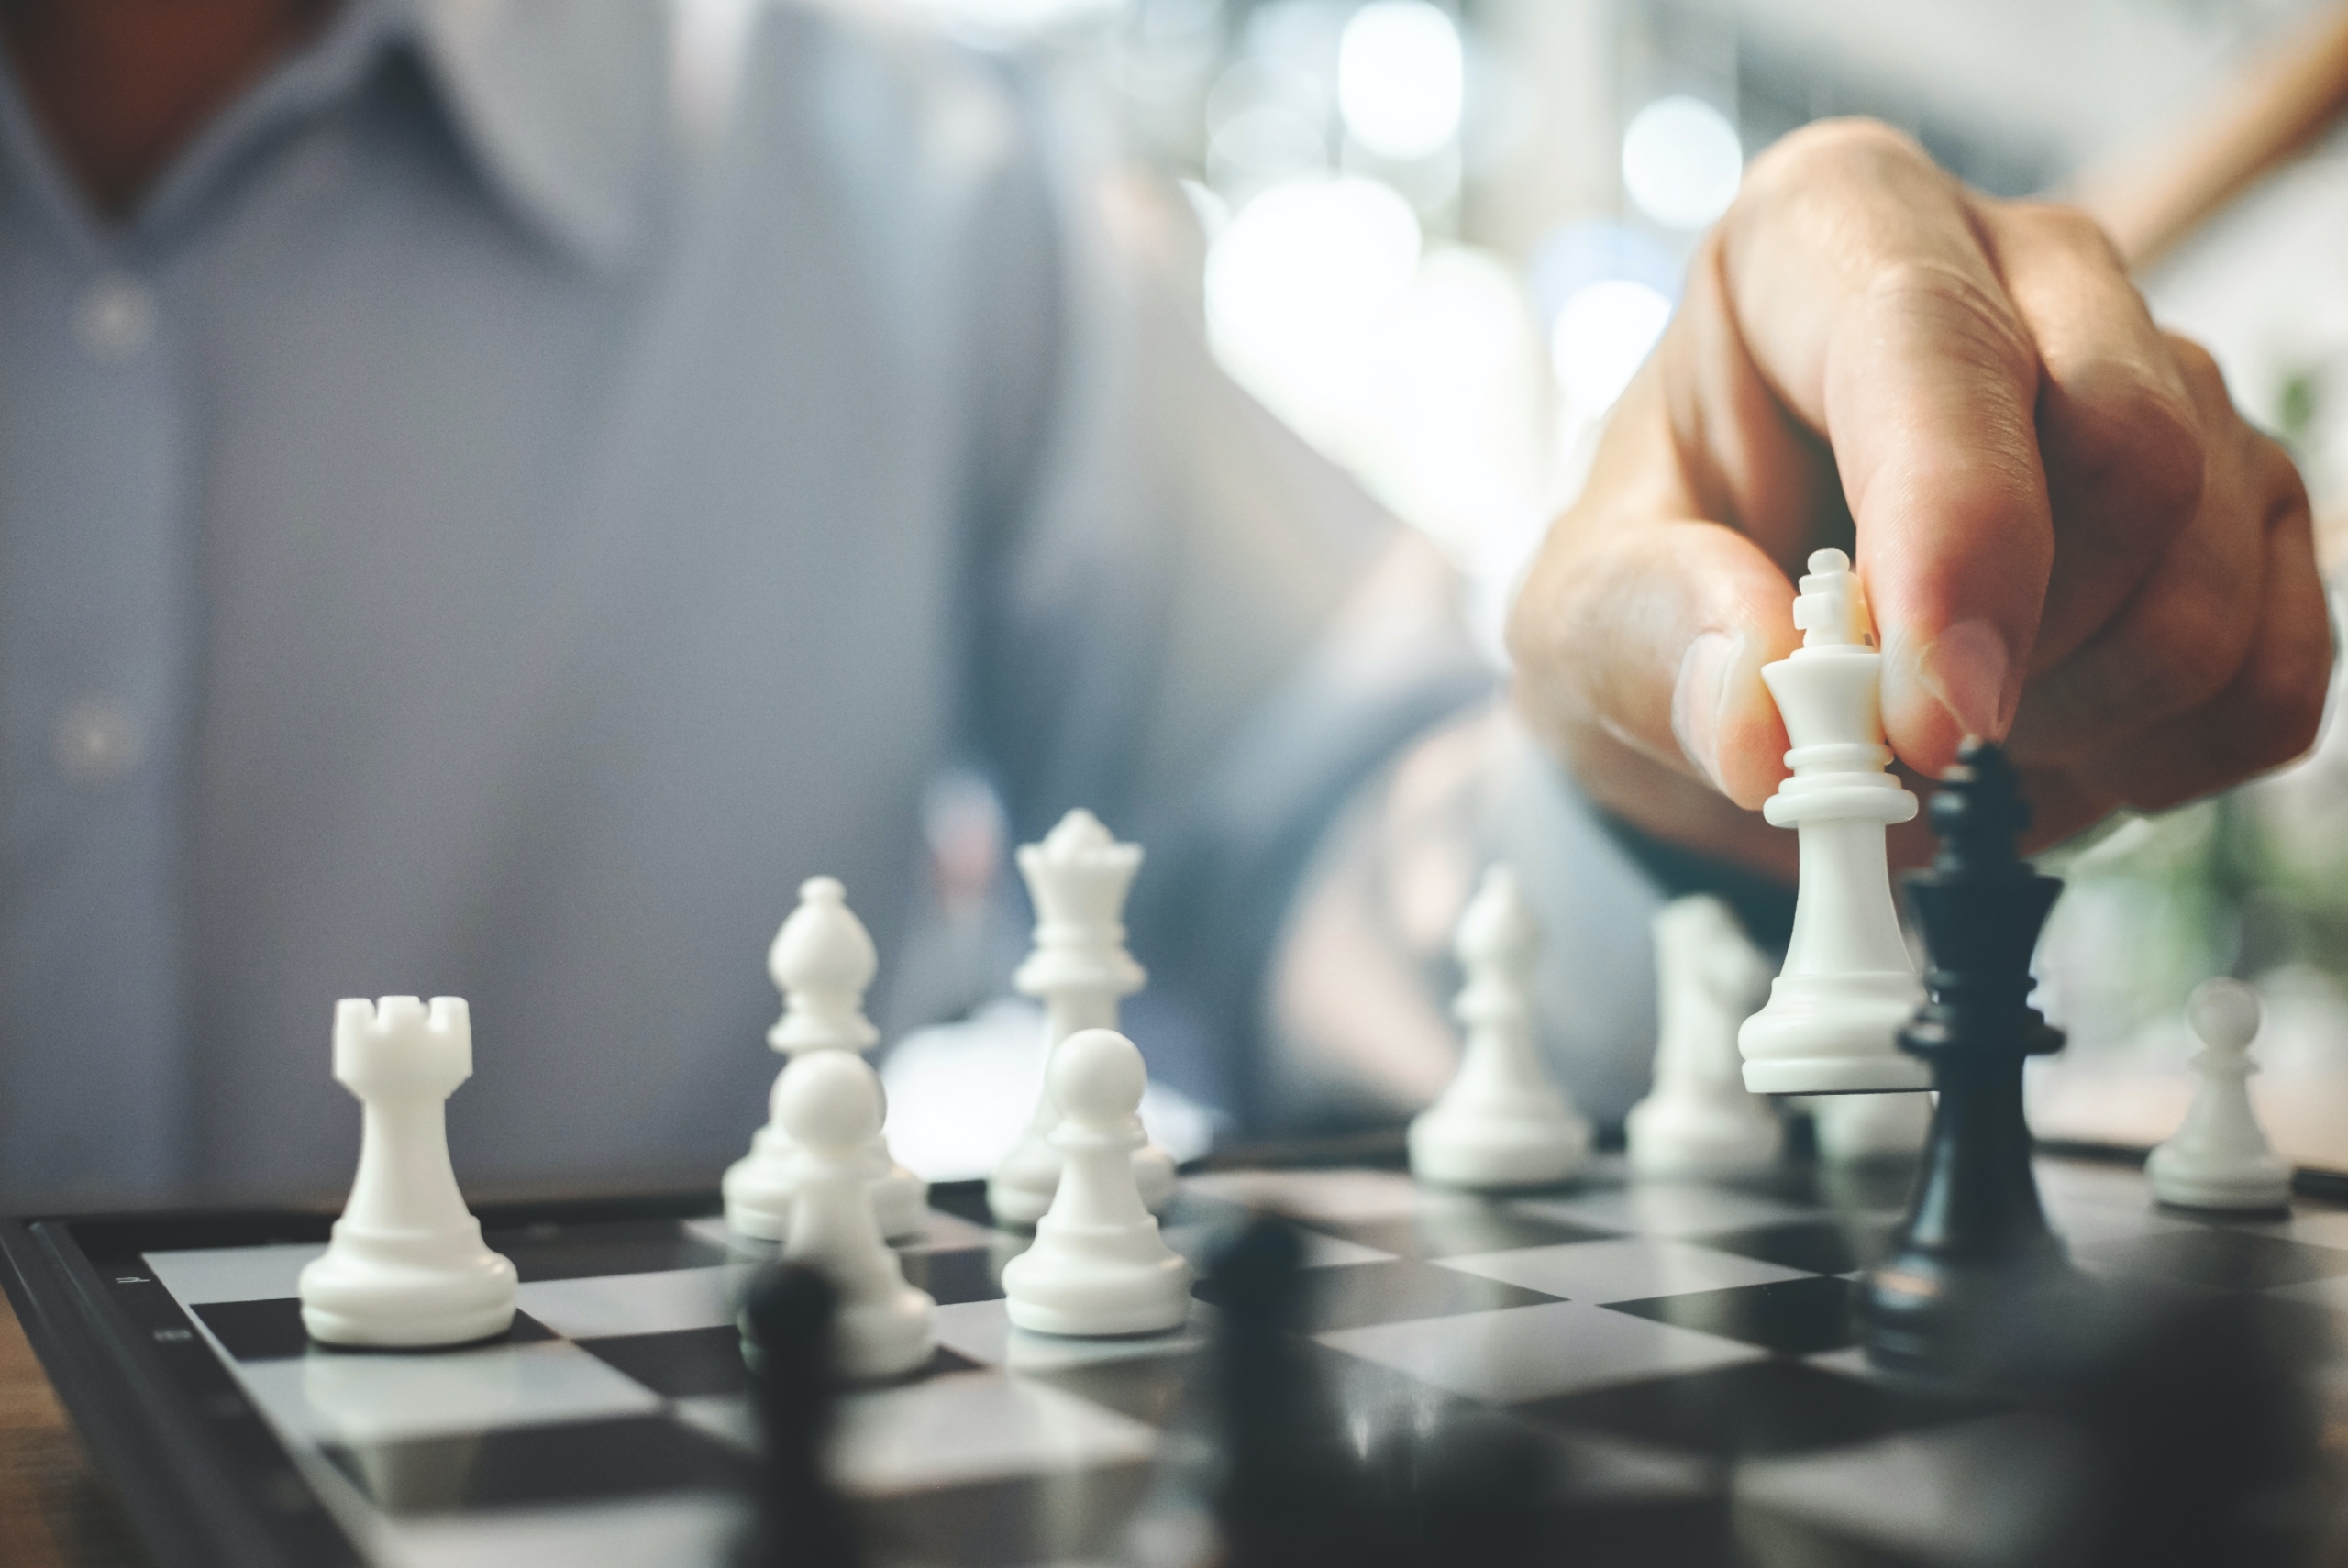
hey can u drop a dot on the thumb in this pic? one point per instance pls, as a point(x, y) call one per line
point(1654, 635)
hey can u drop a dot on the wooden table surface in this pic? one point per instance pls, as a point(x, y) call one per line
point(56, 1510)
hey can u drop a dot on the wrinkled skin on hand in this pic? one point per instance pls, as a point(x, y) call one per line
point(2070, 539)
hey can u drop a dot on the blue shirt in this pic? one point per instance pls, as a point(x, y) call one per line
point(531, 484)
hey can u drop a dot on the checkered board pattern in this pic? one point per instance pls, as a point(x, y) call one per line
point(1686, 1352)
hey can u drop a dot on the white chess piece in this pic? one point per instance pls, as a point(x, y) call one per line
point(829, 1105)
point(1077, 878)
point(1855, 1127)
point(1700, 1120)
point(1848, 985)
point(2220, 1159)
point(1098, 1265)
point(1501, 1122)
point(823, 960)
point(406, 1265)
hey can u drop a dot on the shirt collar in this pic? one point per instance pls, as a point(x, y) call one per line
point(564, 104)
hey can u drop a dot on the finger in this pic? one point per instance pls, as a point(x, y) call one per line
point(1653, 635)
point(2266, 715)
point(1872, 306)
point(2118, 427)
point(2190, 626)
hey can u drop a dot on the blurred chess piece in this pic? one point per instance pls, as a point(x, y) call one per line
point(1856, 1127)
point(798, 1520)
point(1078, 878)
point(2220, 1159)
point(1502, 1122)
point(1700, 1121)
point(1847, 985)
point(823, 961)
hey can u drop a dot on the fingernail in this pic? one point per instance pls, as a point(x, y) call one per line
point(1697, 699)
point(1965, 668)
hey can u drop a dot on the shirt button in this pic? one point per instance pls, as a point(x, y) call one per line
point(98, 739)
point(115, 318)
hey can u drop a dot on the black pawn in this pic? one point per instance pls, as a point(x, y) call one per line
point(1976, 1256)
point(800, 1521)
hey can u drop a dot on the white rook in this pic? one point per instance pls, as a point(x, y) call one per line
point(408, 1265)
point(1847, 985)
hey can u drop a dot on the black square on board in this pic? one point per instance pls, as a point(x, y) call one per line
point(518, 1466)
point(1452, 1232)
point(1814, 1246)
point(603, 1247)
point(964, 1274)
point(1354, 1296)
point(1792, 1316)
point(2218, 1259)
point(1148, 1389)
point(679, 1365)
point(1754, 1407)
point(272, 1330)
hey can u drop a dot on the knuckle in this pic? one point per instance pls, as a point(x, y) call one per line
point(1968, 317)
point(2062, 229)
point(1846, 145)
point(2203, 379)
point(2189, 644)
point(2134, 430)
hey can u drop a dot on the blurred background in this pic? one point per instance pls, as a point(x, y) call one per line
point(1438, 238)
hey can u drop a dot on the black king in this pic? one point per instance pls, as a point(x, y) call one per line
point(1976, 1253)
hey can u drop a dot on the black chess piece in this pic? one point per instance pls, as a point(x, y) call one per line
point(1975, 1254)
point(800, 1520)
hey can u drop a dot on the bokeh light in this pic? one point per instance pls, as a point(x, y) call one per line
point(1681, 161)
point(1401, 78)
point(1301, 265)
point(1601, 337)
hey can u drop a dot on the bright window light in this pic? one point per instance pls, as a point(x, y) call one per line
point(1681, 161)
point(1399, 78)
point(1601, 337)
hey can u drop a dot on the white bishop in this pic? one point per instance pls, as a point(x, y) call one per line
point(1501, 1122)
point(823, 960)
point(1078, 880)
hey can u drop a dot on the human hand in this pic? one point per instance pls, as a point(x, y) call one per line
point(2070, 540)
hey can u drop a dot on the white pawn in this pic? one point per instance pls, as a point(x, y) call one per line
point(1501, 1122)
point(829, 1103)
point(2220, 1159)
point(823, 960)
point(406, 1265)
point(1078, 878)
point(1848, 985)
point(1855, 1127)
point(1700, 1121)
point(1098, 1265)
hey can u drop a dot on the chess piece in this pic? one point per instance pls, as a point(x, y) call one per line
point(829, 1104)
point(408, 1265)
point(1078, 878)
point(1501, 1122)
point(1700, 1121)
point(1098, 1265)
point(2220, 1159)
point(1976, 1250)
point(1856, 1127)
point(823, 961)
point(800, 1522)
point(1847, 985)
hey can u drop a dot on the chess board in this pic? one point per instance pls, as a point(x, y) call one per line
point(1685, 1353)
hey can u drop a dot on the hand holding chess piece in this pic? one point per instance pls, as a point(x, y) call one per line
point(2220, 1159)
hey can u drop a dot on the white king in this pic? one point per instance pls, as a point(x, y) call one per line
point(1848, 985)
point(1078, 880)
